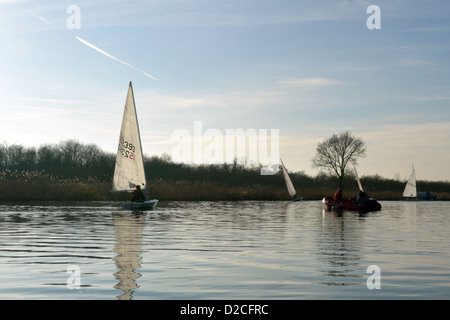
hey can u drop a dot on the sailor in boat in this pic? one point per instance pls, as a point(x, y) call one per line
point(362, 197)
point(138, 195)
point(338, 195)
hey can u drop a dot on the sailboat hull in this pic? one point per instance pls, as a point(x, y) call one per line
point(141, 206)
point(350, 204)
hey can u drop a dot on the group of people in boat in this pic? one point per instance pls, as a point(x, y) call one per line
point(362, 196)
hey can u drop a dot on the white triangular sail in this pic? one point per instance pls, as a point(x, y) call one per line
point(129, 170)
point(289, 185)
point(410, 188)
point(357, 179)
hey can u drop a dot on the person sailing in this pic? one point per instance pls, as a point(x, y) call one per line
point(138, 195)
point(362, 197)
point(338, 195)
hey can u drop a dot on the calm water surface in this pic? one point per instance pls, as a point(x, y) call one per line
point(223, 250)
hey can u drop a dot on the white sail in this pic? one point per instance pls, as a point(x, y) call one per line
point(410, 188)
point(129, 170)
point(289, 185)
point(357, 179)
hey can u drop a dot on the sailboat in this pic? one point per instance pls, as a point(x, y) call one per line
point(362, 204)
point(410, 191)
point(129, 169)
point(289, 185)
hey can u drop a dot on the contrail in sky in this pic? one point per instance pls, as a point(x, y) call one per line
point(36, 16)
point(93, 47)
point(112, 57)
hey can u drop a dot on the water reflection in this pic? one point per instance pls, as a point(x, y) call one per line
point(128, 247)
point(224, 250)
point(339, 246)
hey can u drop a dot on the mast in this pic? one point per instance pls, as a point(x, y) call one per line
point(140, 143)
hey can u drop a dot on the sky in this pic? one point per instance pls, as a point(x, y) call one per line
point(305, 69)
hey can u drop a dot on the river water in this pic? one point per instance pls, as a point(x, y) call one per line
point(224, 250)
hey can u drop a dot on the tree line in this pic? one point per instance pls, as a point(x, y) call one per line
point(68, 159)
point(72, 159)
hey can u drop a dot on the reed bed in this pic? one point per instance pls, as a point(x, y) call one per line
point(72, 170)
point(40, 186)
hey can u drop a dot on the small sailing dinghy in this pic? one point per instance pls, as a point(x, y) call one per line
point(410, 191)
point(289, 185)
point(129, 170)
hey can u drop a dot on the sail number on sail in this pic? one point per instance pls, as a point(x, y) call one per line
point(126, 148)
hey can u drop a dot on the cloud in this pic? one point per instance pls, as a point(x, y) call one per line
point(430, 98)
point(429, 29)
point(6, 2)
point(33, 126)
point(409, 62)
point(392, 148)
point(308, 82)
point(194, 13)
point(90, 45)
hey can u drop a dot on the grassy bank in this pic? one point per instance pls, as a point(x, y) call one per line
point(39, 189)
point(185, 190)
point(38, 186)
point(71, 170)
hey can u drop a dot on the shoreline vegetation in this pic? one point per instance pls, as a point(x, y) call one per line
point(72, 171)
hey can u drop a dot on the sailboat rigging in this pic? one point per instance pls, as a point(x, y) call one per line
point(289, 185)
point(129, 170)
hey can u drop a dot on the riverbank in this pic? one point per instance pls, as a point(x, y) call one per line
point(48, 188)
point(72, 171)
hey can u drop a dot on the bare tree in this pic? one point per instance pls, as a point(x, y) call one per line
point(335, 153)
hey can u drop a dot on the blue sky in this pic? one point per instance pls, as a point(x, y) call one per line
point(307, 68)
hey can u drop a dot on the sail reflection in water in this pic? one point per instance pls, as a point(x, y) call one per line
point(128, 233)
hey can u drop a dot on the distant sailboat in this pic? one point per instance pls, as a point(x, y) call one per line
point(410, 191)
point(289, 185)
point(129, 170)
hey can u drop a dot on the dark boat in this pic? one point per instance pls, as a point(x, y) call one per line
point(426, 196)
point(350, 204)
